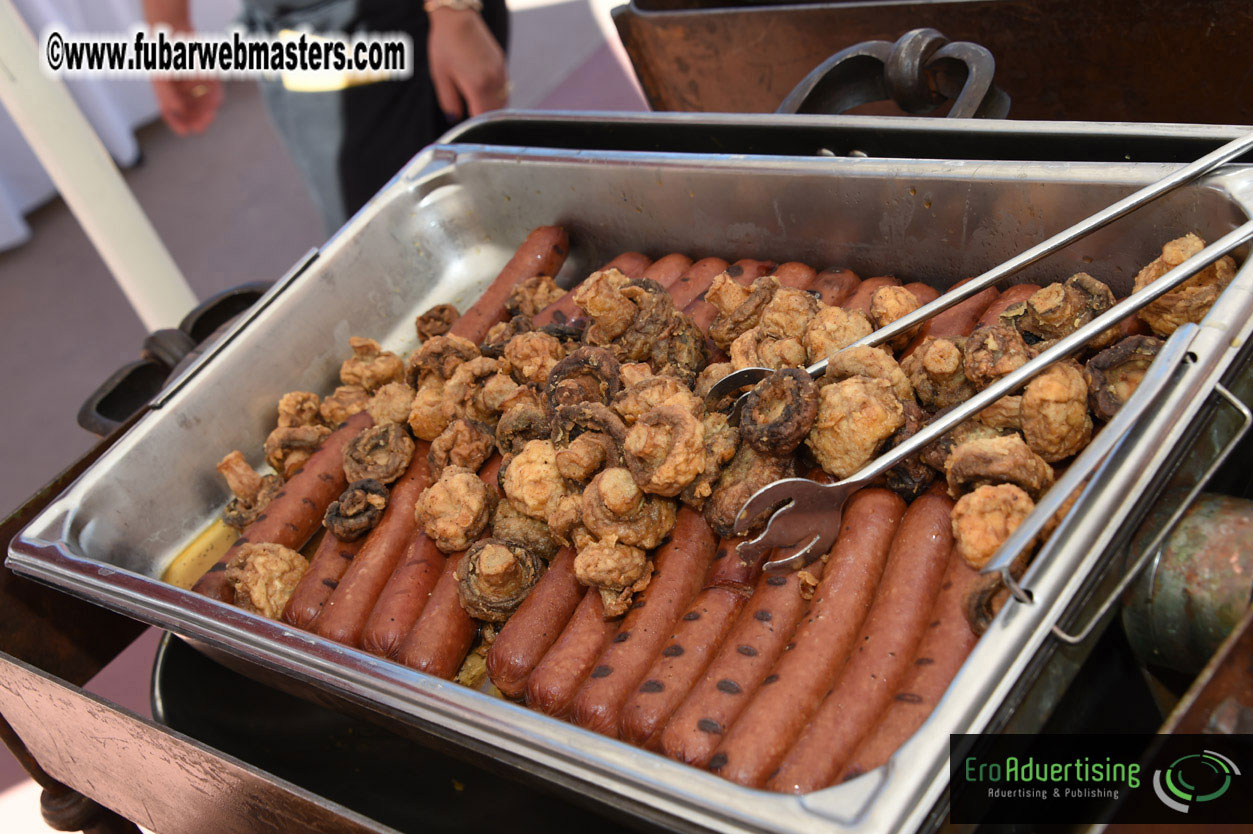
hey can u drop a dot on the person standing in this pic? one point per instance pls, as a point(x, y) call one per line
point(348, 140)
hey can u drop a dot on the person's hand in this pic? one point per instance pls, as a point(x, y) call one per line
point(188, 105)
point(467, 65)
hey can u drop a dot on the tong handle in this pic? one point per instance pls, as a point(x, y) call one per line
point(1063, 348)
point(1102, 218)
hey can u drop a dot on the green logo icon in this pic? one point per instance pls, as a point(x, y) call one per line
point(1197, 777)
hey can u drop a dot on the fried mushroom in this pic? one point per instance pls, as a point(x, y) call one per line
point(495, 577)
point(911, 477)
point(832, 330)
point(589, 374)
point(391, 404)
point(465, 443)
point(633, 373)
point(997, 460)
point(991, 352)
point(614, 505)
point(755, 349)
point(726, 293)
point(346, 401)
point(1005, 413)
point(721, 441)
point(381, 453)
point(511, 525)
point(529, 297)
point(937, 372)
point(532, 356)
point(263, 577)
point(855, 416)
point(617, 570)
point(652, 391)
point(455, 509)
point(520, 424)
point(532, 481)
point(728, 326)
point(665, 450)
point(746, 473)
point(682, 351)
point(436, 321)
point(887, 304)
point(252, 491)
point(287, 448)
point(502, 333)
point(474, 392)
point(1060, 309)
point(371, 367)
point(357, 510)
point(1190, 301)
point(984, 519)
point(600, 296)
point(427, 419)
point(937, 454)
point(1114, 374)
point(779, 412)
point(299, 408)
point(1054, 412)
point(788, 314)
point(438, 359)
point(869, 362)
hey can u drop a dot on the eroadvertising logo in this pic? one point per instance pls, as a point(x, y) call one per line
point(1097, 778)
point(1197, 777)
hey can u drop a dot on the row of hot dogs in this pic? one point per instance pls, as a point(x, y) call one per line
point(791, 683)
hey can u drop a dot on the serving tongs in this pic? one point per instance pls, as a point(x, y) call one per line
point(805, 527)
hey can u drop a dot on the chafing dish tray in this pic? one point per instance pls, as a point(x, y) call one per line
point(443, 227)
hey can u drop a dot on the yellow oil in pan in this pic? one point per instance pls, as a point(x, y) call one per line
point(203, 552)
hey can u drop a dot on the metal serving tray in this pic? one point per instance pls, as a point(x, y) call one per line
point(443, 227)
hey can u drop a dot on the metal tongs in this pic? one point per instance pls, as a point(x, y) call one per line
point(806, 526)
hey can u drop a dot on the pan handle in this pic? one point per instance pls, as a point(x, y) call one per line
point(1154, 548)
point(919, 72)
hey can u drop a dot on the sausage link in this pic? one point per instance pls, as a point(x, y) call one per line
point(923, 293)
point(409, 587)
point(440, 632)
point(958, 320)
point(796, 275)
point(630, 264)
point(943, 650)
point(1008, 298)
point(326, 568)
point(403, 597)
point(296, 511)
point(444, 633)
point(860, 299)
point(557, 678)
point(777, 713)
point(344, 615)
point(668, 270)
point(542, 253)
point(695, 281)
point(696, 639)
point(760, 634)
point(681, 565)
point(835, 285)
point(535, 626)
point(887, 643)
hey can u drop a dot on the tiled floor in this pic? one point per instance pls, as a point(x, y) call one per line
point(231, 208)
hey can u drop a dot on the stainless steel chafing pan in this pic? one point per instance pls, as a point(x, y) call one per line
point(440, 230)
